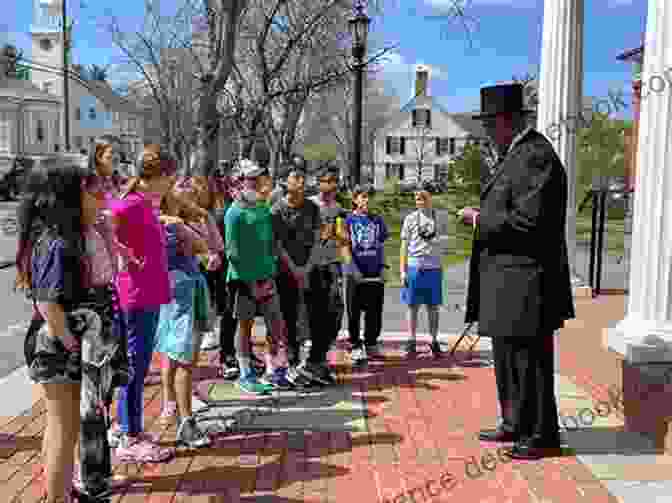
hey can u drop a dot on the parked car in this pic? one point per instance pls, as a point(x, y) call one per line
point(13, 181)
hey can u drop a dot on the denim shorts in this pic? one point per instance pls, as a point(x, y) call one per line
point(423, 287)
point(47, 359)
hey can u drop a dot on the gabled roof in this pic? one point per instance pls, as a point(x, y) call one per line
point(106, 94)
point(24, 90)
point(464, 120)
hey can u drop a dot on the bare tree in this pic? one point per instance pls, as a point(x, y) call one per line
point(185, 80)
point(332, 121)
point(424, 145)
point(289, 51)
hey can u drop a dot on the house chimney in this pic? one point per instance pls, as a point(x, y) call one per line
point(421, 80)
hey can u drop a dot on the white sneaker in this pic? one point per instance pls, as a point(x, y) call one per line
point(210, 341)
point(358, 355)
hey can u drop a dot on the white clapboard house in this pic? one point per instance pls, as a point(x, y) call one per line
point(420, 141)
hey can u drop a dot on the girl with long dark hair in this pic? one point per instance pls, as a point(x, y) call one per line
point(75, 345)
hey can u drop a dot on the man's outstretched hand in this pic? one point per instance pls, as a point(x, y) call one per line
point(469, 216)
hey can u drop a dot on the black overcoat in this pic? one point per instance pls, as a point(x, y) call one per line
point(519, 281)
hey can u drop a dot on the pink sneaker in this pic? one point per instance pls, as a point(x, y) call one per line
point(140, 450)
point(115, 435)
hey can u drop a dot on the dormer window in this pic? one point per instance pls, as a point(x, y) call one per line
point(422, 118)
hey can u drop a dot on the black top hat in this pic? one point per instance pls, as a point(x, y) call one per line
point(500, 99)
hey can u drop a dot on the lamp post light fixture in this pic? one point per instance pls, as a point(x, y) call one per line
point(359, 29)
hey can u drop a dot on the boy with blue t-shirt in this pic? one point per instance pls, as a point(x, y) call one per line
point(365, 283)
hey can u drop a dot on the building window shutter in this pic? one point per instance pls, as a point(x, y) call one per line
point(387, 170)
point(438, 146)
point(387, 145)
point(452, 146)
point(401, 172)
point(429, 118)
point(414, 118)
point(402, 149)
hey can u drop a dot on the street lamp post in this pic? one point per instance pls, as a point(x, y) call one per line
point(359, 28)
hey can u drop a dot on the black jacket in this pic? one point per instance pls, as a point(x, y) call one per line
point(519, 273)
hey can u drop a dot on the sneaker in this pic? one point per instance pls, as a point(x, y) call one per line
point(250, 384)
point(210, 341)
point(115, 437)
point(318, 372)
point(140, 450)
point(358, 355)
point(279, 379)
point(230, 368)
point(300, 381)
point(190, 435)
point(374, 350)
point(113, 485)
point(435, 347)
point(410, 351)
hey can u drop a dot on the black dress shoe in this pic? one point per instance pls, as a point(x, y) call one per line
point(535, 449)
point(498, 435)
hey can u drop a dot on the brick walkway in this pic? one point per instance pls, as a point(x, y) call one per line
point(418, 438)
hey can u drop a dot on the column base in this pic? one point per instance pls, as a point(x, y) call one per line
point(641, 341)
point(646, 369)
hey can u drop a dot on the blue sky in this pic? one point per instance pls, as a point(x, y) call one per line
point(505, 40)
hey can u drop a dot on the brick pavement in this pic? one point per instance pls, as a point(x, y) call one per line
point(421, 421)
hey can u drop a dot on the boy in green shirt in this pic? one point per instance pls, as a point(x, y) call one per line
point(253, 254)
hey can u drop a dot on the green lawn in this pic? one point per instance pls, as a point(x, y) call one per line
point(614, 235)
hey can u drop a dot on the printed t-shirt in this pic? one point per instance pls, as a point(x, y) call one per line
point(367, 236)
point(421, 252)
point(328, 245)
point(141, 231)
point(296, 228)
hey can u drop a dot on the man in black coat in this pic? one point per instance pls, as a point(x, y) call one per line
point(519, 288)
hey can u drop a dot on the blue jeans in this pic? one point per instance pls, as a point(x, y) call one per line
point(141, 325)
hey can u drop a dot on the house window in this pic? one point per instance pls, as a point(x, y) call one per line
point(452, 146)
point(422, 118)
point(92, 114)
point(395, 145)
point(78, 114)
point(39, 130)
point(442, 145)
point(5, 132)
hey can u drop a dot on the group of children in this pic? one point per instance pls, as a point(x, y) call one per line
point(120, 269)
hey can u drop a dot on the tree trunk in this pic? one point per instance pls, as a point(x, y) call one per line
point(207, 135)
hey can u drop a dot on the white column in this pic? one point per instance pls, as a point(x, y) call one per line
point(561, 93)
point(645, 335)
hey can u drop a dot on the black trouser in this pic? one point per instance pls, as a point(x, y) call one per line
point(526, 385)
point(221, 300)
point(289, 304)
point(325, 311)
point(366, 297)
